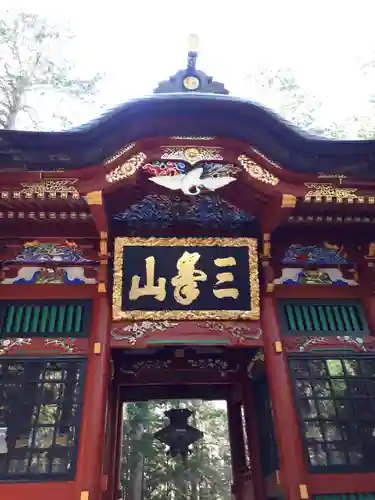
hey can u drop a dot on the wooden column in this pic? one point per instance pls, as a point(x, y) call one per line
point(237, 446)
point(369, 305)
point(92, 439)
point(116, 451)
point(252, 440)
point(293, 474)
point(111, 437)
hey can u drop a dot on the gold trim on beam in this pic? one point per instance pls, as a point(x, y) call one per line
point(191, 138)
point(119, 153)
point(271, 162)
point(288, 201)
point(323, 192)
point(267, 245)
point(45, 215)
point(94, 198)
point(331, 219)
point(46, 188)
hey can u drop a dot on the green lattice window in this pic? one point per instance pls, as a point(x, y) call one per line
point(322, 317)
point(45, 318)
point(335, 398)
point(40, 416)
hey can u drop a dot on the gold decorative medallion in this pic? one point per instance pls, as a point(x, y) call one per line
point(191, 154)
point(257, 172)
point(187, 282)
point(127, 169)
point(191, 83)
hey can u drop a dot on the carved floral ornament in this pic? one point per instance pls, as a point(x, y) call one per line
point(192, 155)
point(67, 345)
point(307, 344)
point(223, 367)
point(127, 169)
point(257, 172)
point(134, 332)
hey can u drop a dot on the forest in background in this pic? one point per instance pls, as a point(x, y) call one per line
point(147, 472)
point(41, 87)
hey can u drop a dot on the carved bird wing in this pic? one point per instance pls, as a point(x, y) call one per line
point(194, 176)
point(171, 182)
point(213, 183)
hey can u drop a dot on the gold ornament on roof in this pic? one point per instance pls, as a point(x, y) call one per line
point(324, 191)
point(193, 43)
point(191, 154)
point(50, 187)
point(127, 169)
point(257, 172)
point(119, 153)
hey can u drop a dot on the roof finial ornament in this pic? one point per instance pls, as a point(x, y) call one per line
point(190, 79)
point(193, 48)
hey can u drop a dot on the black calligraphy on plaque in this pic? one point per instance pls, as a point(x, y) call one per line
point(177, 278)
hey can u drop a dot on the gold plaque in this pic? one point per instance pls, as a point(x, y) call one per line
point(196, 279)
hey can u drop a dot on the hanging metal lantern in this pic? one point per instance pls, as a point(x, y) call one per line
point(178, 435)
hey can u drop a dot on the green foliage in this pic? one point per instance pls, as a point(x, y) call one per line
point(148, 473)
point(35, 66)
point(280, 90)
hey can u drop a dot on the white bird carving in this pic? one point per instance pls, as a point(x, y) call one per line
point(191, 183)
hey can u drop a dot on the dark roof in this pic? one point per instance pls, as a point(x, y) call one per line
point(186, 114)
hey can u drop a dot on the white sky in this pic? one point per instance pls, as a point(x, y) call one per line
point(138, 43)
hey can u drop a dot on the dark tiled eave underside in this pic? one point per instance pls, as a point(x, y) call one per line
point(186, 114)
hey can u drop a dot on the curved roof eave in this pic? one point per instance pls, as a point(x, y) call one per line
point(187, 114)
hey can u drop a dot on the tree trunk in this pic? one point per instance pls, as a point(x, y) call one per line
point(14, 109)
point(137, 463)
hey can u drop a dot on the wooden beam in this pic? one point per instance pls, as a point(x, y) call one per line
point(276, 212)
point(95, 201)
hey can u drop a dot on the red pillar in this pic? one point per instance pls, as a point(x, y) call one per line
point(293, 471)
point(253, 441)
point(237, 447)
point(116, 451)
point(369, 305)
point(92, 439)
point(111, 436)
